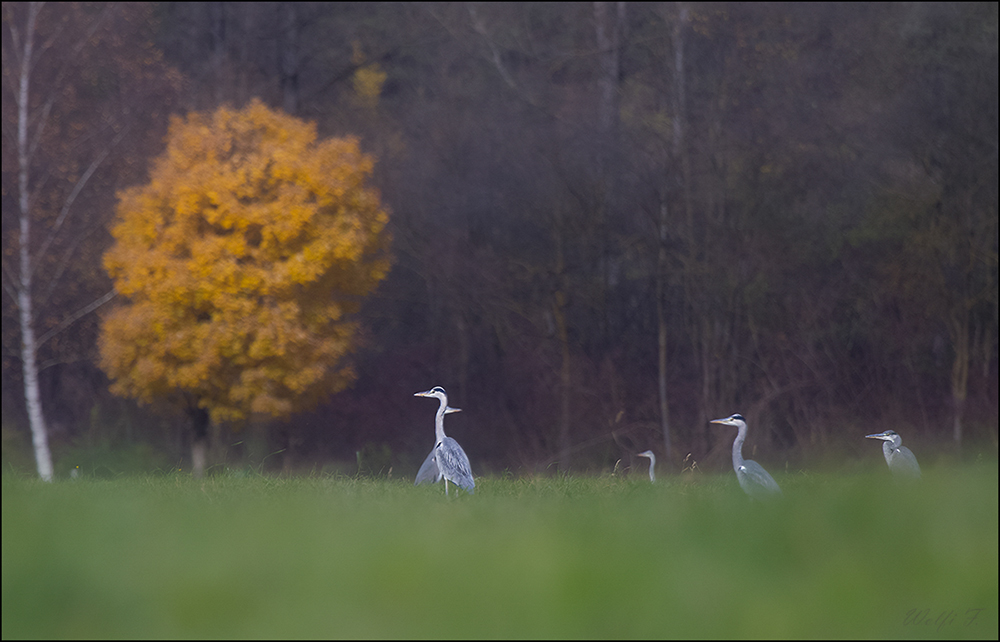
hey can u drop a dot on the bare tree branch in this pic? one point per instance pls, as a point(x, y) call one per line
point(9, 282)
point(80, 184)
point(68, 321)
point(480, 28)
point(42, 119)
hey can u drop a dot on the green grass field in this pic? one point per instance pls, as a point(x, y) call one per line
point(581, 557)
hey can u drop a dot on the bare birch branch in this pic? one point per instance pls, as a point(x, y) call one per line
point(71, 319)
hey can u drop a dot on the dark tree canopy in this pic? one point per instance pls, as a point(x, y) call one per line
point(613, 222)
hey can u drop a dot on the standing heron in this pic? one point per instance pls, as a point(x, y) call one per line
point(429, 473)
point(652, 463)
point(902, 462)
point(754, 480)
point(447, 458)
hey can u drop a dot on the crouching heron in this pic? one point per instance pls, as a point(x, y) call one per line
point(902, 462)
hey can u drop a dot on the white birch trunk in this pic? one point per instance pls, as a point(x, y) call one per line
point(32, 396)
point(21, 287)
point(29, 364)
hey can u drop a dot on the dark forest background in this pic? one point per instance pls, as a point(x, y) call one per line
point(612, 222)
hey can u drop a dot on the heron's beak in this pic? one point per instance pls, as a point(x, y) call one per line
point(425, 393)
point(724, 422)
point(878, 436)
point(449, 409)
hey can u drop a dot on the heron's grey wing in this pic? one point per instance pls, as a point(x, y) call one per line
point(904, 463)
point(454, 464)
point(429, 472)
point(756, 481)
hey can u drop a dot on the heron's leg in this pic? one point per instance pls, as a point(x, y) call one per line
point(445, 485)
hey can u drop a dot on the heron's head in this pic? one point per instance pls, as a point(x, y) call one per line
point(888, 435)
point(437, 392)
point(647, 453)
point(732, 420)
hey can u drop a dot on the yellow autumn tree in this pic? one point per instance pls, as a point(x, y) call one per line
point(240, 266)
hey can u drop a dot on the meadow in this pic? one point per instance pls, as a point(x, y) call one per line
point(842, 555)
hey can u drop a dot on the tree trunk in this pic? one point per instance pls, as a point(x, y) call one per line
point(290, 57)
point(31, 123)
point(681, 160)
point(680, 115)
point(959, 371)
point(609, 29)
point(32, 396)
point(661, 322)
point(559, 305)
point(464, 352)
point(199, 443)
point(29, 364)
point(609, 26)
point(217, 17)
point(565, 442)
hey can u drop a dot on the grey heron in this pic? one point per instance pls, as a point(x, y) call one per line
point(429, 472)
point(902, 462)
point(447, 457)
point(754, 480)
point(652, 463)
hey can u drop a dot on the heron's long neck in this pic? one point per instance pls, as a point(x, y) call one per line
point(888, 448)
point(439, 422)
point(738, 446)
point(652, 465)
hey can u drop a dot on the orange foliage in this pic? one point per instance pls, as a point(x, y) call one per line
point(242, 261)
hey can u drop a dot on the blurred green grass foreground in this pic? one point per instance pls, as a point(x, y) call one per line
point(579, 557)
